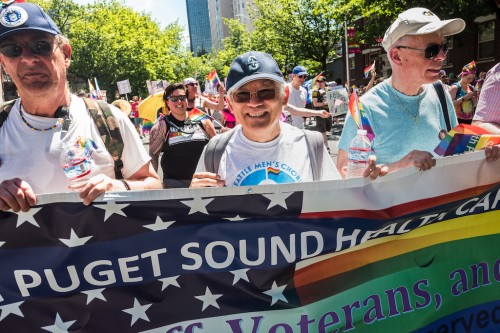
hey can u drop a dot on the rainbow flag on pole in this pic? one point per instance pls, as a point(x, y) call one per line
point(359, 116)
point(92, 91)
point(368, 69)
point(465, 138)
point(197, 115)
point(213, 79)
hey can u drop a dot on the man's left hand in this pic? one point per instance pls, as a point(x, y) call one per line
point(492, 152)
point(373, 170)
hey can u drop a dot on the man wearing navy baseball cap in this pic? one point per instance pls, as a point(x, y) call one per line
point(297, 93)
point(261, 149)
point(47, 117)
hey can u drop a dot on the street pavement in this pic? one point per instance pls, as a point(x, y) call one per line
point(333, 138)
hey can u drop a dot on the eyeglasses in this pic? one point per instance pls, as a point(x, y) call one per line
point(303, 76)
point(175, 99)
point(431, 51)
point(40, 47)
point(262, 94)
point(193, 84)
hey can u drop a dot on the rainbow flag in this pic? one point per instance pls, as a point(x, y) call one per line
point(98, 91)
point(465, 138)
point(368, 69)
point(273, 171)
point(92, 91)
point(197, 115)
point(359, 116)
point(213, 79)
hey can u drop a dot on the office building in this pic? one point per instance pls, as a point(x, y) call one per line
point(199, 26)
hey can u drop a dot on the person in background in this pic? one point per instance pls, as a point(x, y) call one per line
point(320, 102)
point(444, 79)
point(46, 117)
point(135, 114)
point(181, 136)
point(297, 94)
point(488, 107)
point(463, 94)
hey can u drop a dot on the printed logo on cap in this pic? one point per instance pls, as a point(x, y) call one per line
point(252, 63)
point(13, 16)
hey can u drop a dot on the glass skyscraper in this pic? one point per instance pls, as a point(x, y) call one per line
point(199, 26)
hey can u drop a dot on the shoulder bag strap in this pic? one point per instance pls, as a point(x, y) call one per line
point(438, 86)
point(214, 150)
point(5, 109)
point(315, 148)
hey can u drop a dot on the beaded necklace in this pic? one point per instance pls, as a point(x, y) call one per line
point(59, 122)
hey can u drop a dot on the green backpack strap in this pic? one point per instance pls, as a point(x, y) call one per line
point(214, 150)
point(112, 138)
point(5, 109)
point(315, 147)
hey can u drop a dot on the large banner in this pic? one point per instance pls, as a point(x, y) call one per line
point(410, 252)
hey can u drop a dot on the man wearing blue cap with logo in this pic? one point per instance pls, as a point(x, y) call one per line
point(261, 149)
point(47, 117)
point(298, 94)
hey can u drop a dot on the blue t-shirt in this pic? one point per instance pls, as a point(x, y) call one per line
point(397, 130)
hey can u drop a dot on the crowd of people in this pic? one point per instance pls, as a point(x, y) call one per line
point(256, 145)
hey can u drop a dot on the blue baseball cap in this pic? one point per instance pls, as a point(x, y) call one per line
point(300, 70)
point(252, 66)
point(25, 16)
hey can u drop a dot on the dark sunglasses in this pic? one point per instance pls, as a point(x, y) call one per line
point(262, 94)
point(177, 98)
point(193, 84)
point(303, 76)
point(430, 51)
point(37, 47)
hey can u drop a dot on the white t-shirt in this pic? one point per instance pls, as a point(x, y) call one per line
point(298, 98)
point(34, 156)
point(282, 160)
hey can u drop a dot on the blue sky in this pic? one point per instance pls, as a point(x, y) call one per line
point(162, 11)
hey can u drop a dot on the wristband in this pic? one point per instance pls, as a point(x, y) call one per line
point(125, 184)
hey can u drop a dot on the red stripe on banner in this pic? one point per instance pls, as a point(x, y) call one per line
point(400, 210)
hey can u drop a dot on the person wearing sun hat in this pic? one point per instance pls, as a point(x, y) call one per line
point(463, 94)
point(261, 149)
point(47, 117)
point(404, 110)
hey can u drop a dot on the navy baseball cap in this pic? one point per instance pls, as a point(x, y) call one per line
point(300, 70)
point(25, 16)
point(252, 66)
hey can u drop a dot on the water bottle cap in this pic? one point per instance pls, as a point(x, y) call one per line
point(362, 132)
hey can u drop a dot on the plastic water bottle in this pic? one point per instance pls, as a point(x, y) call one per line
point(76, 165)
point(359, 150)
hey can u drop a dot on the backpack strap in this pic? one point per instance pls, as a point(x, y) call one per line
point(102, 116)
point(5, 109)
point(214, 150)
point(438, 86)
point(315, 147)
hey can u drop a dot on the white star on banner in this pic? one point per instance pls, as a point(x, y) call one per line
point(59, 325)
point(74, 240)
point(240, 274)
point(27, 217)
point(236, 218)
point(277, 199)
point(93, 294)
point(2, 243)
point(159, 224)
point(169, 281)
point(198, 205)
point(12, 308)
point(1, 298)
point(138, 311)
point(209, 299)
point(111, 208)
point(276, 293)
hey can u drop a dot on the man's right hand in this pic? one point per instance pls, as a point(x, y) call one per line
point(16, 194)
point(207, 179)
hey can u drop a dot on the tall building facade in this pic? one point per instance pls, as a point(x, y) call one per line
point(242, 10)
point(231, 9)
point(200, 35)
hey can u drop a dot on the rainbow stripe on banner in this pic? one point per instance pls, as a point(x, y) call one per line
point(334, 256)
point(465, 138)
point(358, 114)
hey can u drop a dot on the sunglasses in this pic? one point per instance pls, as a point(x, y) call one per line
point(262, 94)
point(431, 51)
point(303, 76)
point(193, 84)
point(37, 47)
point(175, 99)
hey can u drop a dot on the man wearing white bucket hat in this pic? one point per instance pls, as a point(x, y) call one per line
point(405, 112)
